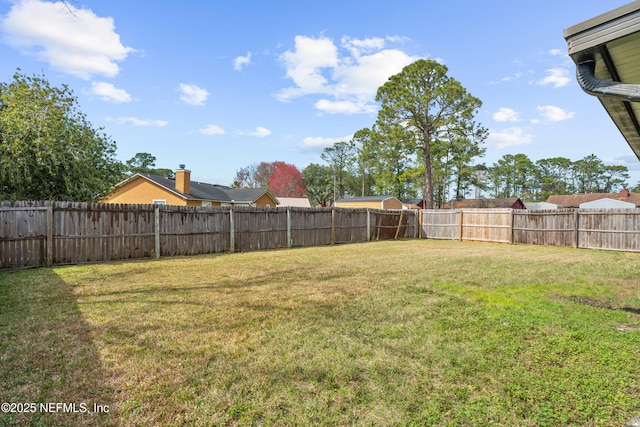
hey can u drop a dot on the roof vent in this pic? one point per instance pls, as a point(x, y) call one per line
point(181, 166)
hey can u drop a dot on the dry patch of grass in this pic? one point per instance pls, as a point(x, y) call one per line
point(385, 333)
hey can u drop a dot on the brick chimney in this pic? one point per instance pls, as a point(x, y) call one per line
point(183, 180)
point(624, 193)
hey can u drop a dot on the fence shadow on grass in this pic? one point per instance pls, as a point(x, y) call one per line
point(47, 355)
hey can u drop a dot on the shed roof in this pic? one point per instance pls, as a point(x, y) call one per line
point(605, 50)
point(607, 203)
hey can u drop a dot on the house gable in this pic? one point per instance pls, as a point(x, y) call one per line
point(140, 190)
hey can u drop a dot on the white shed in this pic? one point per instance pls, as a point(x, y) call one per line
point(607, 203)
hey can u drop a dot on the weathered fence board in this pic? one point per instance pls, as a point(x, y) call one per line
point(486, 225)
point(310, 227)
point(545, 227)
point(614, 229)
point(440, 224)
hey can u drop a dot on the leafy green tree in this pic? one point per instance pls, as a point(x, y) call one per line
point(553, 176)
point(424, 100)
point(395, 168)
point(48, 148)
point(364, 144)
point(514, 176)
point(340, 157)
point(453, 167)
point(145, 163)
point(586, 174)
point(319, 182)
point(614, 178)
point(591, 175)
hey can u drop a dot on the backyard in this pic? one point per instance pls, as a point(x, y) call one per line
point(410, 332)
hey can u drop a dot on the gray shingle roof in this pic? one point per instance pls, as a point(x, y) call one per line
point(213, 192)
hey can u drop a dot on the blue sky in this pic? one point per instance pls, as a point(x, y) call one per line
point(219, 85)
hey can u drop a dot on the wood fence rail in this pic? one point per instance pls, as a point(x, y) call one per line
point(34, 234)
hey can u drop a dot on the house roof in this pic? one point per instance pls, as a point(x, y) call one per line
point(574, 200)
point(205, 191)
point(485, 203)
point(366, 199)
point(294, 202)
point(605, 49)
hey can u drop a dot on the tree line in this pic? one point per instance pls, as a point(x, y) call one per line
point(513, 175)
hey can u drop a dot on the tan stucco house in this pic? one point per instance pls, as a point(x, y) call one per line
point(144, 188)
point(371, 202)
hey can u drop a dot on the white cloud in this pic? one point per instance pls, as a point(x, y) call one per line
point(210, 130)
point(558, 77)
point(508, 137)
point(359, 46)
point(514, 76)
point(79, 43)
point(260, 132)
point(108, 92)
point(241, 61)
point(138, 122)
point(554, 114)
point(344, 107)
point(555, 52)
point(506, 115)
point(193, 95)
point(319, 142)
point(349, 76)
point(305, 64)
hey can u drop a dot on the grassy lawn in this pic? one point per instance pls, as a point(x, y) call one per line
point(386, 333)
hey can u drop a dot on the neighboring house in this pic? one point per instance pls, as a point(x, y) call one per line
point(371, 202)
point(575, 200)
point(415, 202)
point(511, 202)
point(147, 189)
point(607, 203)
point(294, 202)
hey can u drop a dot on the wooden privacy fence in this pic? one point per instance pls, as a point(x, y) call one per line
point(609, 229)
point(54, 233)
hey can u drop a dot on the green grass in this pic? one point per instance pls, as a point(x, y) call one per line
point(386, 333)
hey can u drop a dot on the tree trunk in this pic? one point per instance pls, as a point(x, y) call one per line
point(428, 177)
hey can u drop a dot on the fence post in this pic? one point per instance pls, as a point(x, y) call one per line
point(232, 233)
point(288, 227)
point(50, 235)
point(576, 219)
point(460, 228)
point(511, 225)
point(333, 226)
point(156, 228)
point(419, 233)
point(368, 225)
